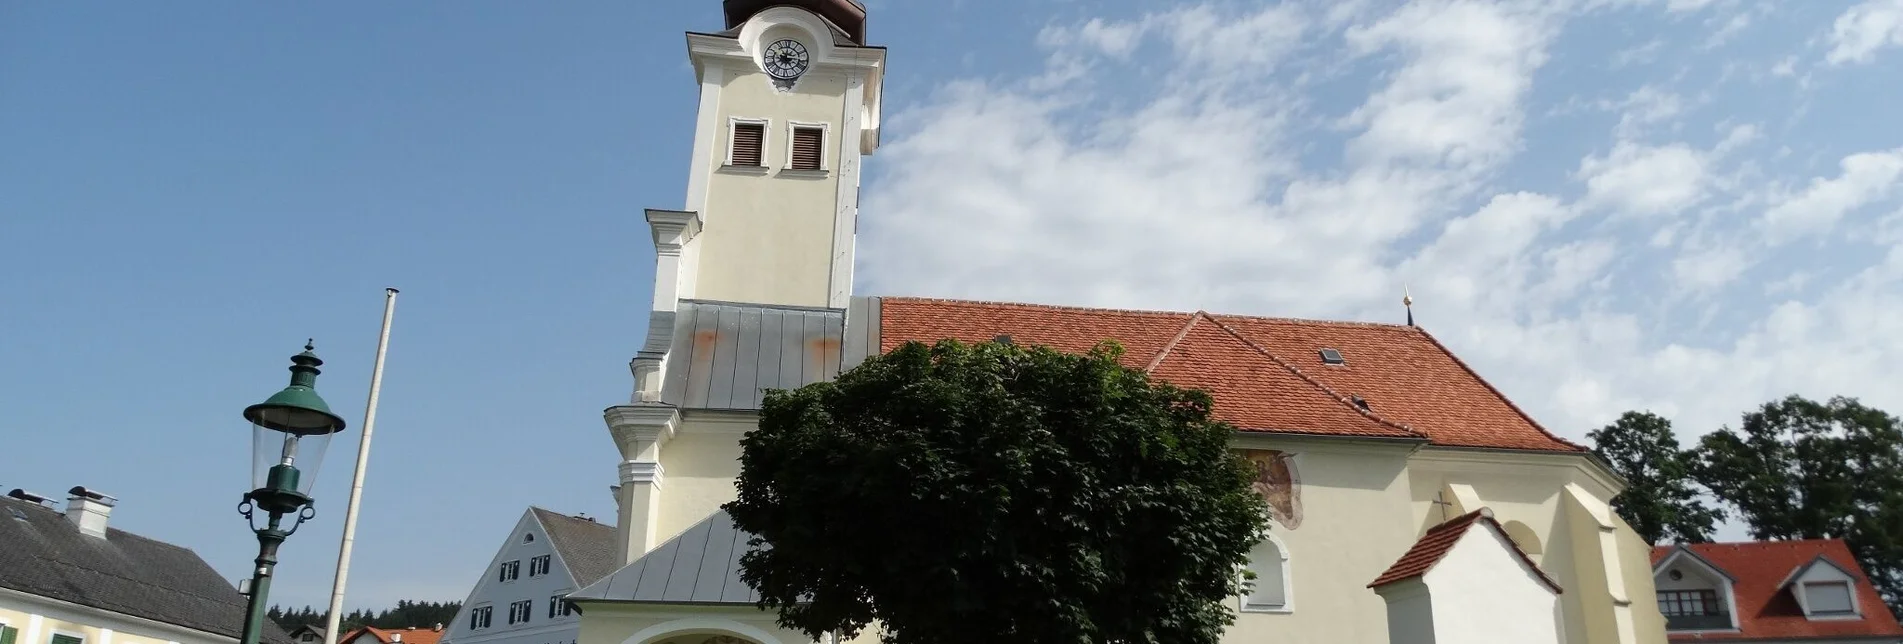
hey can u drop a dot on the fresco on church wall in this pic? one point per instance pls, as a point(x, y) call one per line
point(1279, 483)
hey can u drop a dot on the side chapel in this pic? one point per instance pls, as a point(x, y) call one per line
point(1378, 448)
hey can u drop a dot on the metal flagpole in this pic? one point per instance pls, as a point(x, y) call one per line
point(335, 618)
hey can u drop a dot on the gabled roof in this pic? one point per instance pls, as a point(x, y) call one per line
point(1675, 552)
point(411, 635)
point(44, 554)
point(1766, 609)
point(586, 547)
point(1440, 540)
point(1266, 374)
point(700, 566)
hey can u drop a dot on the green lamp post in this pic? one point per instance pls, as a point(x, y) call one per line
point(289, 432)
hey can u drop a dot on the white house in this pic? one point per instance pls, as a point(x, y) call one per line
point(69, 578)
point(1465, 582)
point(519, 598)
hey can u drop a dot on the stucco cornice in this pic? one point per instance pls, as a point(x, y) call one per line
point(1580, 466)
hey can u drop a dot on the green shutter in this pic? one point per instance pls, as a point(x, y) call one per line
point(7, 633)
point(67, 639)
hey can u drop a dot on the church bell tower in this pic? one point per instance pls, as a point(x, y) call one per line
point(789, 104)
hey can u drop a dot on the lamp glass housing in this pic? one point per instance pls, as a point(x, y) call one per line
point(272, 447)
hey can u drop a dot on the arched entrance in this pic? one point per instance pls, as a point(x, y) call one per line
point(705, 630)
point(706, 638)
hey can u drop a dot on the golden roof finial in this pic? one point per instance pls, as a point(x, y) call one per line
point(1407, 300)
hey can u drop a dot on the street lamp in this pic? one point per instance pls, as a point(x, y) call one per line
point(289, 432)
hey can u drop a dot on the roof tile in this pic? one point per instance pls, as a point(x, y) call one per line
point(1440, 540)
point(1765, 610)
point(1412, 384)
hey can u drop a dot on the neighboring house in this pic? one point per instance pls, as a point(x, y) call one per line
point(1809, 591)
point(307, 634)
point(519, 598)
point(410, 635)
point(1365, 436)
point(1465, 582)
point(69, 578)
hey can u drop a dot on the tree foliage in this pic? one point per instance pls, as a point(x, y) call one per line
point(1801, 469)
point(980, 493)
point(1661, 500)
point(406, 614)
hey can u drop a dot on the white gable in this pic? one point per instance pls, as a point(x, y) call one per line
point(525, 542)
point(1482, 592)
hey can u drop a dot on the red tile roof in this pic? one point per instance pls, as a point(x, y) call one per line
point(1265, 374)
point(1440, 539)
point(411, 635)
point(1766, 609)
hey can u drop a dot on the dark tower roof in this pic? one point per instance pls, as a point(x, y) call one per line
point(848, 15)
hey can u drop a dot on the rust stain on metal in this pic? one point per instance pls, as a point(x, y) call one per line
point(704, 340)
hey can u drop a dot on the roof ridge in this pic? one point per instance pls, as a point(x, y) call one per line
point(1156, 312)
point(1171, 346)
point(1496, 391)
point(1344, 401)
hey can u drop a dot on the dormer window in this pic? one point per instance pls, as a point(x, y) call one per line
point(1829, 598)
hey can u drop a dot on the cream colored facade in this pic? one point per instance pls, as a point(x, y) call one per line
point(37, 619)
point(772, 236)
point(1364, 502)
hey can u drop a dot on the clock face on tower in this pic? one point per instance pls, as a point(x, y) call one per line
point(785, 59)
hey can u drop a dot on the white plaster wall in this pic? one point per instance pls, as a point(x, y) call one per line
point(488, 591)
point(1482, 594)
point(702, 462)
point(1410, 612)
point(768, 238)
point(1355, 524)
point(39, 618)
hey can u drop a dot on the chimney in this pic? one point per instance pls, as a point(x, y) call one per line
point(89, 510)
point(29, 497)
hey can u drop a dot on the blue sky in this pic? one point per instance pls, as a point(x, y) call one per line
point(1689, 206)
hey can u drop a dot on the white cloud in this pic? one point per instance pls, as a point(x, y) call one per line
point(1258, 193)
point(1457, 100)
point(1709, 268)
point(1646, 180)
point(1866, 177)
point(1863, 29)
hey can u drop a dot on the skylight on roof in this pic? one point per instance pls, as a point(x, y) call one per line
point(1332, 356)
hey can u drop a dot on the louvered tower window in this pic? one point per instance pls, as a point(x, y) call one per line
point(748, 141)
point(807, 144)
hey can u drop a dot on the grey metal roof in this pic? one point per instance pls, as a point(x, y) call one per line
point(587, 547)
point(725, 356)
point(44, 554)
point(700, 566)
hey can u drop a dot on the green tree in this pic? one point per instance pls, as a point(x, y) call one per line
point(1801, 469)
point(987, 493)
point(1660, 500)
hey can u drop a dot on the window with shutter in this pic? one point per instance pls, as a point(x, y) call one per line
point(806, 148)
point(1829, 598)
point(748, 140)
point(8, 634)
point(67, 639)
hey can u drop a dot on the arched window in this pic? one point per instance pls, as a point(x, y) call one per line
point(1269, 591)
point(528, 537)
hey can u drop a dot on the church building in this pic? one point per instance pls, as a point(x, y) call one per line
point(1383, 456)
